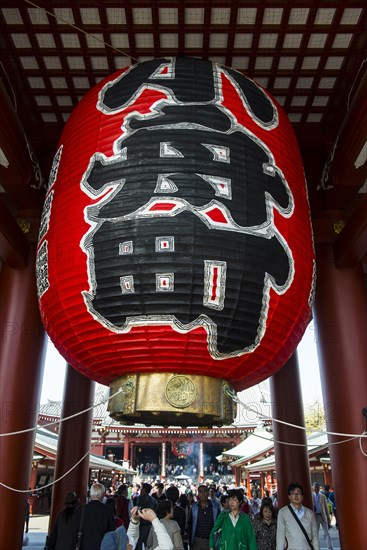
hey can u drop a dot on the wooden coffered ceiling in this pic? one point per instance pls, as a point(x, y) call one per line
point(311, 55)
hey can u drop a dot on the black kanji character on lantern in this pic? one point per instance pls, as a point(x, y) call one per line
point(188, 80)
point(154, 269)
point(191, 80)
point(200, 165)
point(175, 265)
point(208, 116)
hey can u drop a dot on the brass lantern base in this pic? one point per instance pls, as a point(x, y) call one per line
point(170, 399)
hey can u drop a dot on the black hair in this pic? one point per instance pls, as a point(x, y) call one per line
point(164, 507)
point(293, 486)
point(111, 502)
point(236, 493)
point(183, 500)
point(267, 503)
point(172, 493)
point(122, 489)
point(71, 503)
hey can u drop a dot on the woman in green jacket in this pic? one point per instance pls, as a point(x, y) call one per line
point(236, 531)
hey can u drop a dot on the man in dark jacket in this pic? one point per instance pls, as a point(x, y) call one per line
point(159, 493)
point(204, 512)
point(123, 505)
point(179, 513)
point(97, 520)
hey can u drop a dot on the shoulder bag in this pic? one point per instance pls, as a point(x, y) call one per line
point(301, 526)
point(217, 539)
point(80, 532)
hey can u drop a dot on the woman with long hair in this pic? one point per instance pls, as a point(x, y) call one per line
point(63, 534)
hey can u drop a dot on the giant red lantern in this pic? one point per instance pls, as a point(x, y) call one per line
point(175, 250)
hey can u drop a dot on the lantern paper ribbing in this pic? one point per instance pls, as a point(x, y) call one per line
point(176, 233)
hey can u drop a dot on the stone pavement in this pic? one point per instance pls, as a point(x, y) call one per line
point(38, 526)
point(36, 537)
point(334, 534)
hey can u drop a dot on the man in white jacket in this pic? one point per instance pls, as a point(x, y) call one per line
point(164, 540)
point(289, 532)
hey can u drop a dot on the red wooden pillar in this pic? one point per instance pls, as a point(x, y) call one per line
point(132, 447)
point(269, 480)
point(102, 444)
point(32, 485)
point(22, 354)
point(292, 464)
point(126, 449)
point(248, 485)
point(33, 478)
point(340, 314)
point(327, 475)
point(261, 484)
point(74, 441)
point(238, 476)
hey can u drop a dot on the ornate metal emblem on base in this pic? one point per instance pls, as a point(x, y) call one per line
point(170, 399)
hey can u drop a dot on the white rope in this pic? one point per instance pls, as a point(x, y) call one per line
point(360, 444)
point(62, 419)
point(301, 444)
point(235, 398)
point(59, 478)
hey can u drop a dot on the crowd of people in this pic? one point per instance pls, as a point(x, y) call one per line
point(191, 517)
point(213, 470)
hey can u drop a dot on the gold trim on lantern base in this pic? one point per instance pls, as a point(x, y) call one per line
point(171, 399)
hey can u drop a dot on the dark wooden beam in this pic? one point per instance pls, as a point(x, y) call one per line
point(18, 167)
point(351, 245)
point(346, 172)
point(14, 247)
